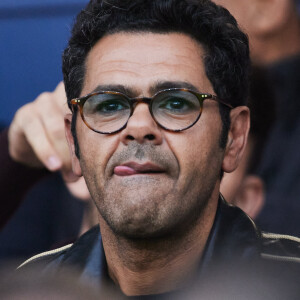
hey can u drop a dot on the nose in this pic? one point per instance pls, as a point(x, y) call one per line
point(141, 127)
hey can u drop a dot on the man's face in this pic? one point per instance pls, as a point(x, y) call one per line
point(147, 181)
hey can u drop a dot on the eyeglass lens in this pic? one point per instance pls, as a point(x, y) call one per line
point(106, 112)
point(174, 110)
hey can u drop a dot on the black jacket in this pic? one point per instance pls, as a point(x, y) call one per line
point(234, 243)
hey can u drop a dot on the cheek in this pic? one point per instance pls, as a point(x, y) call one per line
point(188, 151)
point(95, 150)
point(196, 148)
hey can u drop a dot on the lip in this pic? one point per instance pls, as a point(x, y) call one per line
point(134, 168)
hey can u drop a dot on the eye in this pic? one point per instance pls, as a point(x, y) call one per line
point(176, 104)
point(110, 106)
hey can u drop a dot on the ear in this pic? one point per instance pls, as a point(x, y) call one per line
point(237, 138)
point(75, 161)
point(251, 196)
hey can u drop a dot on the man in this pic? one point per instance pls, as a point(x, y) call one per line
point(158, 92)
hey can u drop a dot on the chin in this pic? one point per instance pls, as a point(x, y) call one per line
point(149, 212)
point(155, 221)
point(142, 232)
point(133, 226)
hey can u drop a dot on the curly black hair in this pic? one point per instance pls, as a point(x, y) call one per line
point(226, 47)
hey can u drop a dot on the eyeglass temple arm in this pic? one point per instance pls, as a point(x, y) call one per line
point(213, 97)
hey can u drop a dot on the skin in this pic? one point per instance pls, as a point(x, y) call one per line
point(36, 136)
point(154, 225)
point(273, 27)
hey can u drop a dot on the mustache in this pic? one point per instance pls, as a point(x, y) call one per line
point(143, 153)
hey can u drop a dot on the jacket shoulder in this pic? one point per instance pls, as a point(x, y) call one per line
point(72, 254)
point(46, 257)
point(280, 247)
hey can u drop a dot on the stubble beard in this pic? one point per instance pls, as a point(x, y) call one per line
point(148, 214)
point(150, 207)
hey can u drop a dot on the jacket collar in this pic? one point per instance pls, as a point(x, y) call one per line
point(234, 238)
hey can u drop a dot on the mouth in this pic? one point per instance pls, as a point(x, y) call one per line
point(133, 168)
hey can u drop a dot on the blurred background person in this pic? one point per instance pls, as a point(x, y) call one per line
point(244, 187)
point(273, 27)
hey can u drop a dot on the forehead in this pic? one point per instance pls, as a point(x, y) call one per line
point(140, 60)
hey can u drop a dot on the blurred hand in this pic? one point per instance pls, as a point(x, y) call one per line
point(37, 135)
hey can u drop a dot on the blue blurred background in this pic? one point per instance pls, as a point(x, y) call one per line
point(33, 34)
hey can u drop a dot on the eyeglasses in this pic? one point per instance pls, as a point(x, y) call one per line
point(174, 109)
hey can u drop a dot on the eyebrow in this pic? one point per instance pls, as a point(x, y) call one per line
point(155, 88)
point(164, 85)
point(130, 92)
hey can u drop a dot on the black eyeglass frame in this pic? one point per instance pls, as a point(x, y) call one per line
point(148, 100)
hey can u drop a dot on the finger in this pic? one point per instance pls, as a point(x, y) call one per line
point(37, 138)
point(36, 135)
point(19, 148)
point(52, 119)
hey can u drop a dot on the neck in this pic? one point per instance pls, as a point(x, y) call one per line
point(157, 265)
point(89, 218)
point(268, 49)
